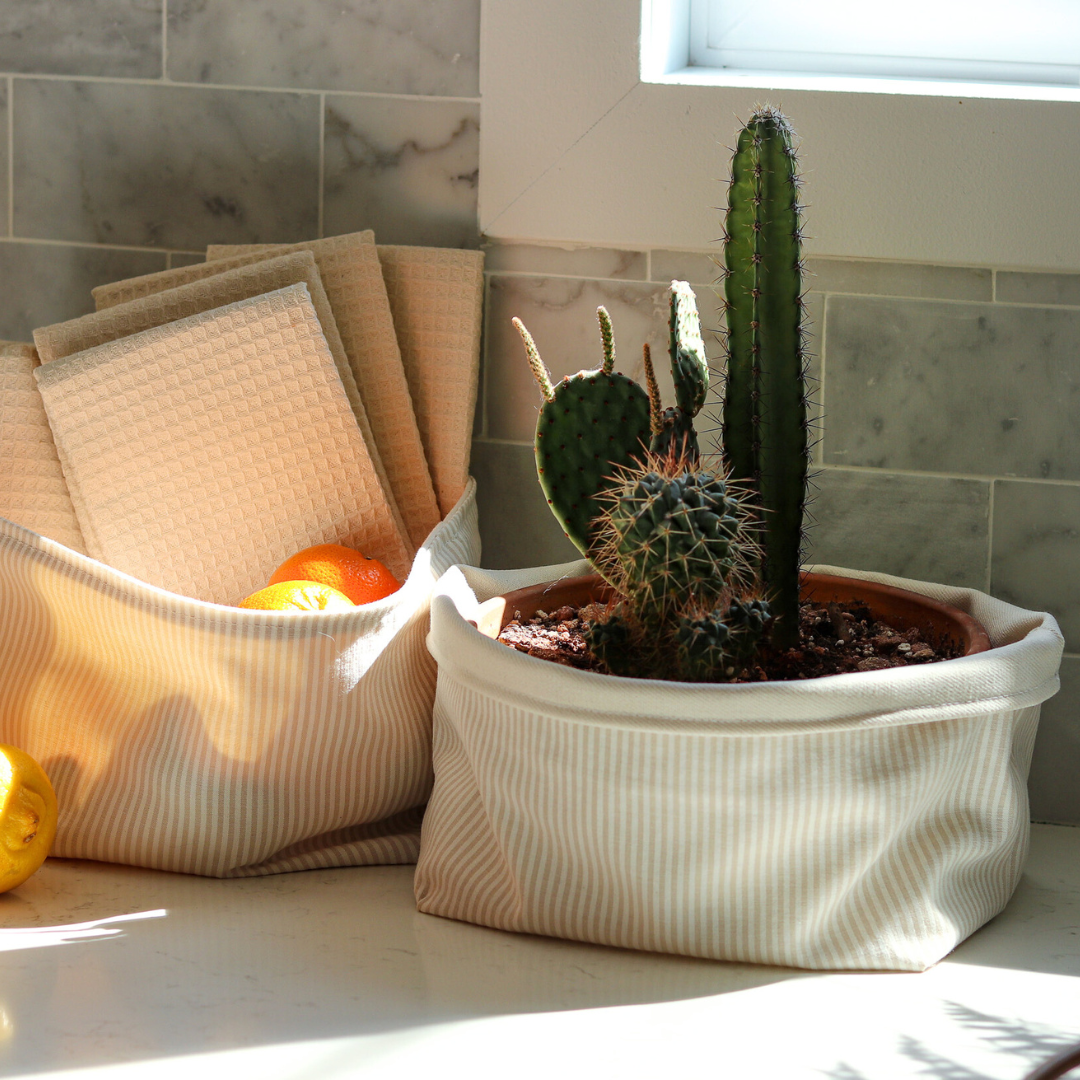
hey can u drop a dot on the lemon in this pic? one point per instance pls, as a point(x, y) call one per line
point(27, 816)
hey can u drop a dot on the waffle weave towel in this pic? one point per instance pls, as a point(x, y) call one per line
point(353, 280)
point(202, 453)
point(205, 294)
point(436, 298)
point(33, 492)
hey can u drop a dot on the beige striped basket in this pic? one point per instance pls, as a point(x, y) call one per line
point(184, 735)
point(864, 821)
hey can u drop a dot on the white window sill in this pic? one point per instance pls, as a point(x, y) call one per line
point(847, 84)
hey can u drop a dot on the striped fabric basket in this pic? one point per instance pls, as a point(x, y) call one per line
point(863, 821)
point(188, 736)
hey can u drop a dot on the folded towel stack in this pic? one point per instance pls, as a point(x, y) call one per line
point(207, 422)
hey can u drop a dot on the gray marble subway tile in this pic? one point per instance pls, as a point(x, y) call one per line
point(106, 38)
point(1021, 288)
point(560, 313)
point(697, 267)
point(385, 46)
point(924, 527)
point(571, 262)
point(407, 169)
point(46, 283)
point(961, 388)
point(1055, 794)
point(870, 278)
point(1036, 551)
point(164, 166)
point(516, 527)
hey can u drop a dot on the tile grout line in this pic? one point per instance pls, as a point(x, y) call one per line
point(322, 164)
point(11, 156)
point(307, 91)
point(486, 362)
point(993, 285)
point(164, 41)
point(990, 535)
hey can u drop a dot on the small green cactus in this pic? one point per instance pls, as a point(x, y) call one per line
point(673, 428)
point(765, 424)
point(679, 549)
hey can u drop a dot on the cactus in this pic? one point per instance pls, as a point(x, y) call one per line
point(589, 424)
point(673, 428)
point(765, 404)
point(678, 547)
point(671, 534)
point(668, 533)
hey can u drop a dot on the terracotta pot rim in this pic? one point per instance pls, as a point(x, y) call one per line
point(943, 620)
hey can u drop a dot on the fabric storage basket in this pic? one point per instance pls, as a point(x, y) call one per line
point(862, 821)
point(183, 735)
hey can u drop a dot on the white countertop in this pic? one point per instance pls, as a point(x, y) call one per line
point(113, 971)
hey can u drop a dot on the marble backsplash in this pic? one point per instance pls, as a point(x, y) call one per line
point(134, 132)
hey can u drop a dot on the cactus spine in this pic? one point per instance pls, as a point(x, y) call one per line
point(765, 406)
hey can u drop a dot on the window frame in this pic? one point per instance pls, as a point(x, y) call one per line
point(577, 148)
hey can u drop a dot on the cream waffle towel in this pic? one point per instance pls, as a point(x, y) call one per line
point(436, 298)
point(202, 453)
point(183, 301)
point(354, 284)
point(32, 488)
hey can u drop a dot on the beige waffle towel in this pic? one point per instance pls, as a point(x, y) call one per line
point(32, 488)
point(354, 284)
point(436, 298)
point(207, 451)
point(183, 301)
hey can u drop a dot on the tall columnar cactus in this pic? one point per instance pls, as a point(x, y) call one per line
point(765, 421)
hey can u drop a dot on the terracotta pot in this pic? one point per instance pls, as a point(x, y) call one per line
point(938, 623)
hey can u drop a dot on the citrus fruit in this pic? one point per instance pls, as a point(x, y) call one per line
point(361, 579)
point(297, 596)
point(27, 816)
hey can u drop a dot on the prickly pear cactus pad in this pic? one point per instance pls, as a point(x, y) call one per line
point(594, 423)
point(589, 425)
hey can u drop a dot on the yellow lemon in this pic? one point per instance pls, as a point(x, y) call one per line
point(27, 816)
point(297, 596)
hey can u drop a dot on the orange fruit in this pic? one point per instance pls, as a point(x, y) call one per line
point(27, 816)
point(361, 579)
point(297, 596)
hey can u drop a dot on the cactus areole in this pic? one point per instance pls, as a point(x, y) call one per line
point(765, 410)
